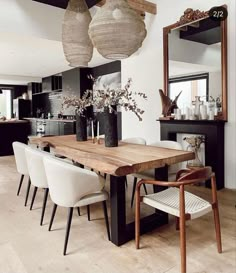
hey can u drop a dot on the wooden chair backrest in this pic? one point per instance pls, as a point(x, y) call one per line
point(201, 174)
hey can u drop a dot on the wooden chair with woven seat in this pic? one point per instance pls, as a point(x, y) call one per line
point(180, 203)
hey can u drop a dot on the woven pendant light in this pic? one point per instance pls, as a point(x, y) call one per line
point(77, 46)
point(116, 30)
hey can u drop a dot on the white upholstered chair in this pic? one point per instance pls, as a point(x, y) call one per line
point(180, 203)
point(135, 140)
point(21, 165)
point(34, 159)
point(150, 174)
point(73, 187)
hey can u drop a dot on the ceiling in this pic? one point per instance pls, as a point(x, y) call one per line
point(30, 44)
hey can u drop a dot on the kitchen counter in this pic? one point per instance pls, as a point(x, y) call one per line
point(10, 131)
point(52, 119)
point(12, 121)
point(54, 127)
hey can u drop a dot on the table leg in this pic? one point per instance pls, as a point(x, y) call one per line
point(122, 232)
point(118, 214)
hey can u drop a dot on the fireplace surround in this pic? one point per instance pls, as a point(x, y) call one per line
point(213, 130)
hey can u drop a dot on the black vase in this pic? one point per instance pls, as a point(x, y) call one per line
point(110, 128)
point(81, 127)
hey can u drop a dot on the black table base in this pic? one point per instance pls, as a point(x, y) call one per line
point(122, 232)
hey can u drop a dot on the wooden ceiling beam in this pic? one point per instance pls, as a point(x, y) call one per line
point(139, 5)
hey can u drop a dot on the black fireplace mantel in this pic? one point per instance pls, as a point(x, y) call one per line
point(213, 130)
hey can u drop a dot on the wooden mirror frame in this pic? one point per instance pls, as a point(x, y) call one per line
point(224, 114)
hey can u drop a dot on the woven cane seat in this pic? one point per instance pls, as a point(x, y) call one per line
point(168, 201)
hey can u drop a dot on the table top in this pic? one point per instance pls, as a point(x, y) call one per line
point(125, 159)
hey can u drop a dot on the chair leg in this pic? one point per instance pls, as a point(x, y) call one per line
point(182, 230)
point(106, 219)
point(137, 220)
point(145, 188)
point(183, 244)
point(20, 184)
point(88, 212)
point(44, 205)
point(126, 182)
point(216, 213)
point(33, 197)
point(27, 192)
point(69, 219)
point(78, 209)
point(52, 217)
point(217, 228)
point(133, 190)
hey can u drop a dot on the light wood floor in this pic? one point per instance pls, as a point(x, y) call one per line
point(25, 247)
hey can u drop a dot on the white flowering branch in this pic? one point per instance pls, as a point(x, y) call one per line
point(107, 98)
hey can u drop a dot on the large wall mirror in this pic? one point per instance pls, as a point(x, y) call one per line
point(195, 62)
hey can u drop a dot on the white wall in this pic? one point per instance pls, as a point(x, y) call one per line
point(146, 70)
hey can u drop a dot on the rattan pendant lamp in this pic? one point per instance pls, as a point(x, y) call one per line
point(116, 30)
point(77, 46)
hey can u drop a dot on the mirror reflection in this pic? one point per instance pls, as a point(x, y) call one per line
point(195, 68)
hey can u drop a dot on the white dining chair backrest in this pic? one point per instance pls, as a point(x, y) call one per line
point(34, 159)
point(135, 140)
point(68, 183)
point(169, 144)
point(19, 152)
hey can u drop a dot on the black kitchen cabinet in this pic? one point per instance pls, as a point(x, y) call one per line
point(34, 88)
point(33, 128)
point(52, 83)
point(66, 128)
point(51, 127)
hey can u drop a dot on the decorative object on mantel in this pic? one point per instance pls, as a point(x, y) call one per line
point(116, 30)
point(77, 46)
point(108, 101)
point(197, 104)
point(167, 104)
point(194, 145)
point(80, 104)
point(191, 15)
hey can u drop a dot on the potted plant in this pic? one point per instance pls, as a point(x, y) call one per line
point(80, 105)
point(108, 100)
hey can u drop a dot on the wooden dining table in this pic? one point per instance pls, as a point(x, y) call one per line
point(120, 161)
